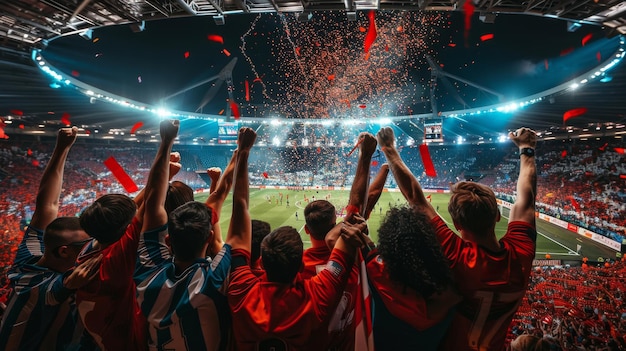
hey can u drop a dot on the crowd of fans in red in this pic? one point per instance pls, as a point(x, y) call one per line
point(582, 307)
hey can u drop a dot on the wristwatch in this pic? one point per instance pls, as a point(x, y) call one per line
point(528, 151)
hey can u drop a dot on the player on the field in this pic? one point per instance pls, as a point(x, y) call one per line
point(108, 305)
point(492, 276)
point(279, 309)
point(41, 312)
point(181, 295)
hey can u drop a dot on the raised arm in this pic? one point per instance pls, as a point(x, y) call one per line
point(408, 184)
point(358, 192)
point(47, 203)
point(240, 229)
point(376, 188)
point(158, 179)
point(524, 207)
point(216, 199)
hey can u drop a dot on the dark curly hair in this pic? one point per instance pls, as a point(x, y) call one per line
point(411, 252)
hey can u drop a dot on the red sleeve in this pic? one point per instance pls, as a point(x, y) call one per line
point(521, 237)
point(451, 244)
point(327, 286)
point(241, 279)
point(118, 264)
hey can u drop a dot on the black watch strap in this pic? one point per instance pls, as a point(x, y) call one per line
point(528, 151)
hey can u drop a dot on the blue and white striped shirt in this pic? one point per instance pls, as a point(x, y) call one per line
point(186, 310)
point(41, 311)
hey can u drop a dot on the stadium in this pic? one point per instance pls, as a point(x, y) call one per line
point(304, 76)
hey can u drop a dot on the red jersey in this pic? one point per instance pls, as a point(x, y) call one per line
point(401, 319)
point(338, 332)
point(492, 285)
point(108, 305)
point(267, 314)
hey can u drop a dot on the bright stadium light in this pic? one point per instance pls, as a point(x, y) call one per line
point(501, 138)
point(275, 141)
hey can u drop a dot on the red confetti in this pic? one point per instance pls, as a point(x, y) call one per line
point(486, 37)
point(21, 126)
point(603, 147)
point(355, 146)
point(29, 152)
point(574, 113)
point(75, 73)
point(257, 80)
point(566, 51)
point(587, 38)
point(135, 127)
point(362, 29)
point(619, 150)
point(221, 112)
point(622, 176)
point(563, 153)
point(247, 85)
point(374, 163)
point(265, 175)
point(428, 162)
point(121, 175)
point(187, 54)
point(545, 64)
point(393, 70)
point(362, 106)
point(319, 150)
point(386, 47)
point(370, 37)
point(331, 77)
point(574, 202)
point(226, 52)
point(451, 45)
point(216, 38)
point(400, 28)
point(35, 163)
point(468, 11)
point(599, 56)
point(65, 119)
point(235, 110)
point(17, 112)
point(298, 51)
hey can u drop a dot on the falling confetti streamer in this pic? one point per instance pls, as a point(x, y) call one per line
point(121, 175)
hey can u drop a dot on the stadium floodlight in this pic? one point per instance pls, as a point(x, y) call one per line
point(383, 121)
point(573, 86)
point(275, 122)
point(275, 141)
point(459, 140)
point(501, 138)
point(162, 112)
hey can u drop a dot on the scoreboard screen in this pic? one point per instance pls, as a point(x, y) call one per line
point(433, 130)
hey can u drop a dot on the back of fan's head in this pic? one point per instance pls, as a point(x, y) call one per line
point(320, 217)
point(260, 229)
point(411, 253)
point(178, 194)
point(473, 206)
point(108, 217)
point(281, 254)
point(189, 229)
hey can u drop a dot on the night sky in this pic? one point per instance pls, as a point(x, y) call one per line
point(319, 68)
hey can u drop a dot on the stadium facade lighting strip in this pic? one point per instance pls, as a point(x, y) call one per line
point(61, 80)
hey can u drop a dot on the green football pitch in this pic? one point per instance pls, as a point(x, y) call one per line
point(265, 205)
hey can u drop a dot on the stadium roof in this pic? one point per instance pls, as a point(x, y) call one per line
point(147, 51)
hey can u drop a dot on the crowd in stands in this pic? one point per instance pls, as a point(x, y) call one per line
point(581, 184)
